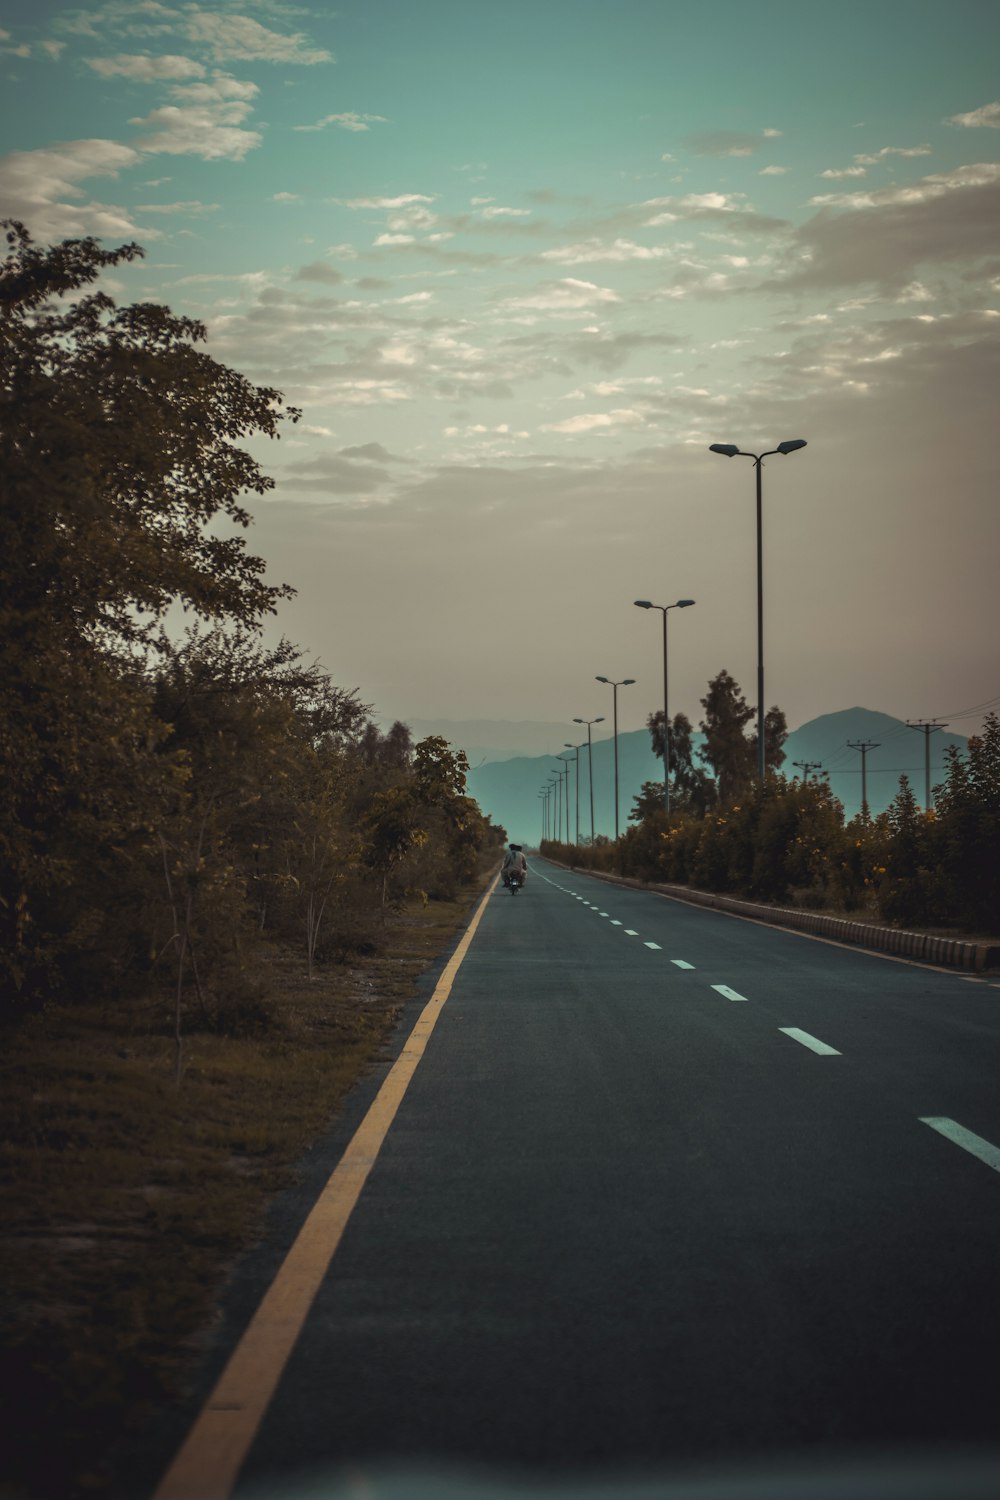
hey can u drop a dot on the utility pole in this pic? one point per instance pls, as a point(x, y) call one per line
point(806, 766)
point(927, 728)
point(864, 746)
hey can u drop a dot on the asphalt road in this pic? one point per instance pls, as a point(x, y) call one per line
point(663, 1193)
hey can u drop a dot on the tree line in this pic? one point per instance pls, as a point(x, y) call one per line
point(169, 801)
point(788, 840)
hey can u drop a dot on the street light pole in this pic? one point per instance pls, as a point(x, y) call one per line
point(730, 450)
point(577, 748)
point(590, 767)
point(565, 759)
point(557, 786)
point(625, 682)
point(663, 608)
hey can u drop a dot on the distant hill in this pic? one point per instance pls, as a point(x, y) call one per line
point(496, 739)
point(508, 789)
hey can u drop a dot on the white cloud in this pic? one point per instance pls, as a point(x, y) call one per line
point(413, 217)
point(937, 185)
point(195, 132)
point(506, 213)
point(397, 202)
point(869, 160)
point(207, 122)
point(142, 68)
point(987, 115)
point(285, 198)
point(567, 295)
point(223, 87)
point(241, 39)
point(915, 292)
point(592, 421)
point(394, 239)
point(35, 184)
point(845, 172)
point(772, 171)
point(347, 121)
point(597, 250)
point(178, 208)
point(690, 205)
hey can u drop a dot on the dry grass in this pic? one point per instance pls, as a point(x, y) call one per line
point(126, 1198)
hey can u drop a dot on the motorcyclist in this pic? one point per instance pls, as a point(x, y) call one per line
point(514, 860)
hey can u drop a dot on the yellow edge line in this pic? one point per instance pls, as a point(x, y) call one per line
point(207, 1465)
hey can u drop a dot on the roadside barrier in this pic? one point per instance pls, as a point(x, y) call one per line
point(947, 952)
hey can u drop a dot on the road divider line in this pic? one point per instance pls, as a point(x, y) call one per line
point(208, 1463)
point(959, 1136)
point(631, 932)
point(812, 1042)
point(723, 989)
point(615, 923)
point(602, 913)
point(681, 964)
point(654, 945)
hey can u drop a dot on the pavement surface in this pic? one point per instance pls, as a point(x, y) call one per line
point(670, 1195)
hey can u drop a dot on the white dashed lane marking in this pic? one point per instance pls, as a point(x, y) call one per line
point(631, 932)
point(813, 1043)
point(681, 964)
point(654, 945)
point(959, 1136)
point(727, 993)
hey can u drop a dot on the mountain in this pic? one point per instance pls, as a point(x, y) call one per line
point(901, 750)
point(496, 739)
point(508, 789)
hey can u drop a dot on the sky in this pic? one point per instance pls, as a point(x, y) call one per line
point(519, 264)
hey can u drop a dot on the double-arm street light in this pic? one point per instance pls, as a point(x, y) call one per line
point(565, 761)
point(625, 682)
point(562, 771)
point(557, 788)
point(664, 608)
point(577, 749)
point(590, 766)
point(546, 793)
point(730, 450)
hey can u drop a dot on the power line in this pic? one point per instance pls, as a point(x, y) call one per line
point(864, 746)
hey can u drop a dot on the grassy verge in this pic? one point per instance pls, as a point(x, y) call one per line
point(126, 1198)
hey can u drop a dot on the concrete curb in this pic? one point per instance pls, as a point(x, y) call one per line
point(947, 952)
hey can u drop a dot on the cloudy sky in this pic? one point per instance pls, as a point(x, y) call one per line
point(520, 264)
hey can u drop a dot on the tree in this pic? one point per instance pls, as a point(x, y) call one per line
point(121, 471)
point(391, 830)
point(968, 830)
point(726, 748)
point(120, 453)
point(775, 735)
point(692, 789)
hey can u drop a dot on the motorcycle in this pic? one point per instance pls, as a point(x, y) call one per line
point(515, 880)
